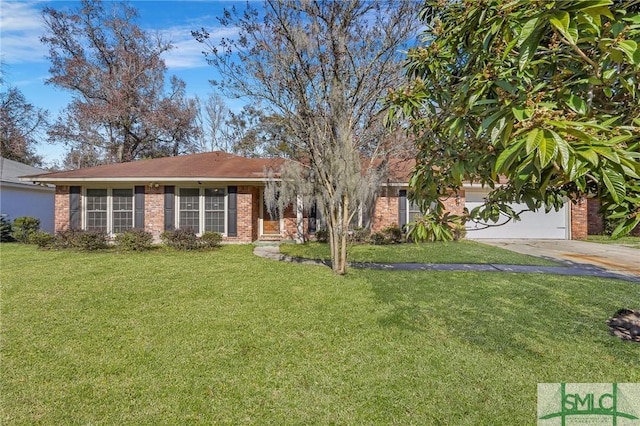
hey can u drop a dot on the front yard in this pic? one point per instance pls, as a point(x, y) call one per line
point(629, 241)
point(224, 337)
point(464, 251)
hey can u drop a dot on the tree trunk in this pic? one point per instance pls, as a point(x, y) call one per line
point(338, 225)
point(336, 237)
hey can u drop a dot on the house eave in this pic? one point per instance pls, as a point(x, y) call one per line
point(145, 180)
point(28, 184)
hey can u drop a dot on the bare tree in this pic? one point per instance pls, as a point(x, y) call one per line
point(21, 125)
point(211, 117)
point(116, 73)
point(322, 67)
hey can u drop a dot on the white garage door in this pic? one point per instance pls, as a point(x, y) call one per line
point(552, 225)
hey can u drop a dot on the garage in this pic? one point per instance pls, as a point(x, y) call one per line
point(541, 225)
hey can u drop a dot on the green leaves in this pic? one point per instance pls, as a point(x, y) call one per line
point(630, 48)
point(561, 21)
point(546, 97)
point(547, 150)
point(577, 104)
point(615, 184)
point(529, 39)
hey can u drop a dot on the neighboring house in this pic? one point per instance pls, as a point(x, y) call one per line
point(222, 192)
point(25, 198)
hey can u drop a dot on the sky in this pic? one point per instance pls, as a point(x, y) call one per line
point(25, 64)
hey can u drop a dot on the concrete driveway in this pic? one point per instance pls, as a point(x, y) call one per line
point(612, 257)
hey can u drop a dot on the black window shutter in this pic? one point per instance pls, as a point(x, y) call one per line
point(138, 217)
point(313, 222)
point(169, 208)
point(402, 208)
point(75, 207)
point(232, 213)
point(366, 222)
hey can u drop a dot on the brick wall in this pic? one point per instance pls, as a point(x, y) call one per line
point(579, 219)
point(61, 206)
point(154, 211)
point(454, 203)
point(386, 210)
point(595, 221)
point(290, 229)
point(585, 218)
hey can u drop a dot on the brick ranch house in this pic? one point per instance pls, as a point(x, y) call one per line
point(221, 192)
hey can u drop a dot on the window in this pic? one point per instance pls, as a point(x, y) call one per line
point(122, 202)
point(189, 209)
point(97, 210)
point(413, 211)
point(202, 210)
point(109, 210)
point(214, 210)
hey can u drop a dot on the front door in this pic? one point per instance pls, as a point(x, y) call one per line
point(270, 224)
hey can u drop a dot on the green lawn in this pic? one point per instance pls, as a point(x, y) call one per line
point(629, 241)
point(465, 251)
point(225, 337)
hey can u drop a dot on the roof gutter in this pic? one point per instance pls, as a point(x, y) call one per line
point(36, 179)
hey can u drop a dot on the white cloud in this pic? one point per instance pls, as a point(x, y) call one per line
point(187, 52)
point(21, 26)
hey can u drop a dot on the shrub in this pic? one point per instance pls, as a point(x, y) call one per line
point(181, 239)
point(24, 228)
point(393, 234)
point(389, 235)
point(210, 240)
point(431, 228)
point(65, 239)
point(359, 235)
point(5, 230)
point(322, 236)
point(134, 240)
point(82, 240)
point(43, 240)
point(378, 239)
point(91, 240)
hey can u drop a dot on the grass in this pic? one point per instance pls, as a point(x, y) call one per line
point(629, 241)
point(465, 251)
point(225, 337)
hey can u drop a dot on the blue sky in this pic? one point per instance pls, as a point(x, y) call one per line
point(25, 66)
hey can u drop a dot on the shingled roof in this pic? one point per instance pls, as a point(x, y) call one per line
point(206, 167)
point(209, 166)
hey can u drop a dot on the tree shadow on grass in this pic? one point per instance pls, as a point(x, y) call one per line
point(520, 315)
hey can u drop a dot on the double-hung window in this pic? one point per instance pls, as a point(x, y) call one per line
point(122, 210)
point(214, 210)
point(202, 209)
point(189, 209)
point(413, 211)
point(109, 210)
point(97, 210)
